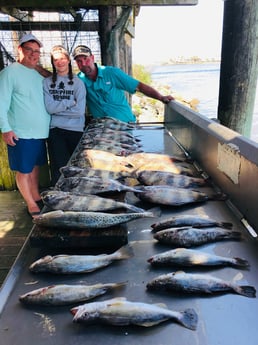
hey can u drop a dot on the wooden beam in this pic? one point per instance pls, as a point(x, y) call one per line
point(49, 26)
point(50, 4)
point(239, 65)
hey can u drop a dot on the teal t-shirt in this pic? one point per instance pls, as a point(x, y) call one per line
point(106, 95)
point(22, 107)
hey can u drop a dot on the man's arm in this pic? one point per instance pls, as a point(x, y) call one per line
point(153, 93)
point(44, 72)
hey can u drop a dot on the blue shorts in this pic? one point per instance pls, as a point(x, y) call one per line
point(26, 154)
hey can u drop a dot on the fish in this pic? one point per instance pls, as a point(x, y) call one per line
point(161, 162)
point(191, 283)
point(118, 150)
point(99, 159)
point(92, 185)
point(71, 264)
point(191, 237)
point(71, 171)
point(66, 201)
point(189, 220)
point(110, 122)
point(64, 294)
point(171, 196)
point(121, 312)
point(154, 177)
point(189, 257)
point(101, 139)
point(86, 220)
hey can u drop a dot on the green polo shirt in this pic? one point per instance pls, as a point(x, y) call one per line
point(106, 95)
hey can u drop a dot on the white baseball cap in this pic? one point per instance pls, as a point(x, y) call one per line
point(29, 37)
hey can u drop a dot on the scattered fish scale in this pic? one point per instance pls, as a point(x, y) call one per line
point(191, 237)
point(66, 201)
point(120, 312)
point(72, 264)
point(155, 177)
point(198, 284)
point(189, 220)
point(189, 257)
point(63, 294)
point(85, 220)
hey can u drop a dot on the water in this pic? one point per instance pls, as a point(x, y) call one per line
point(199, 81)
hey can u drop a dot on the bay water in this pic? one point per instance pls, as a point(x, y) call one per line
point(198, 81)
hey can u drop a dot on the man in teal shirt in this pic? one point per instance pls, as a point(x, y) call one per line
point(106, 87)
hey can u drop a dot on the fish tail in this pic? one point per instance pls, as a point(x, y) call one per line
point(218, 196)
point(241, 262)
point(226, 225)
point(246, 290)
point(124, 252)
point(189, 319)
point(112, 286)
point(234, 234)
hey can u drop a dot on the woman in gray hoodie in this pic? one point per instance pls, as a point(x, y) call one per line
point(65, 101)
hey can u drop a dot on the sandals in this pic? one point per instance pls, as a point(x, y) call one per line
point(33, 214)
point(40, 203)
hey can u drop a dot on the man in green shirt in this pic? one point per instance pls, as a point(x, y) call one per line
point(24, 121)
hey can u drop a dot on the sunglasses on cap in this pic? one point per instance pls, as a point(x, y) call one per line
point(81, 50)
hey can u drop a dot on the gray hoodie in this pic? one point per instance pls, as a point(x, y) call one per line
point(65, 103)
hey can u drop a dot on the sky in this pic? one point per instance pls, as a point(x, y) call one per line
point(164, 32)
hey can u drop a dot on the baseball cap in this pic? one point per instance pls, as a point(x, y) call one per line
point(81, 50)
point(29, 37)
point(59, 49)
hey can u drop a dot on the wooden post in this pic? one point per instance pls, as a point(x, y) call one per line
point(239, 65)
point(7, 177)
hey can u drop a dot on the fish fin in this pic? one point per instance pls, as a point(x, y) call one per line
point(246, 290)
point(125, 252)
point(161, 305)
point(150, 323)
point(241, 262)
point(156, 211)
point(115, 285)
point(189, 319)
point(134, 208)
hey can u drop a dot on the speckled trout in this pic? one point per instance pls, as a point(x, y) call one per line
point(85, 220)
point(191, 237)
point(120, 312)
point(68, 264)
point(63, 294)
point(189, 257)
point(189, 220)
point(198, 284)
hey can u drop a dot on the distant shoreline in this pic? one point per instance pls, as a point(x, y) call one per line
point(181, 62)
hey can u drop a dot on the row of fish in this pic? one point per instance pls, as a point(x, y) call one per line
point(167, 181)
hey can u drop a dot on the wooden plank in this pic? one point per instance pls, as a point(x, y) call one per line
point(49, 26)
point(50, 4)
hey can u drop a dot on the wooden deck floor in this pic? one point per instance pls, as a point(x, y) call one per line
point(15, 226)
